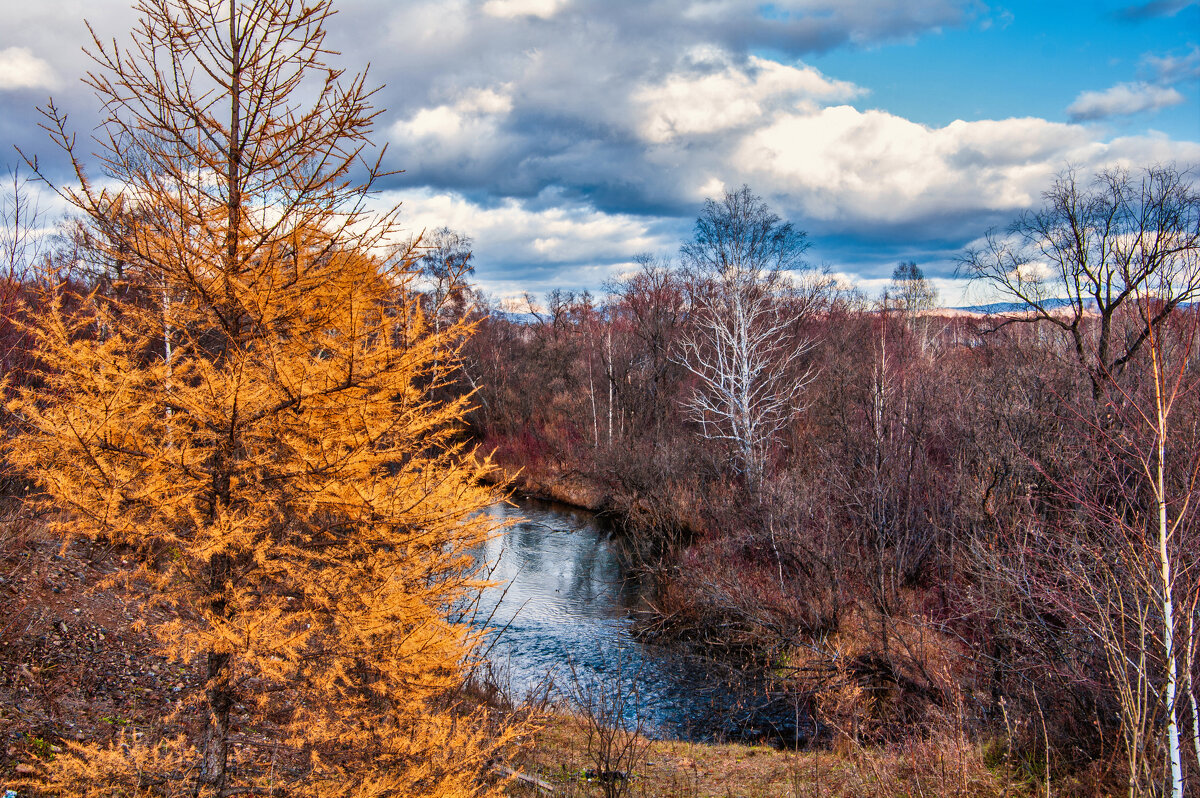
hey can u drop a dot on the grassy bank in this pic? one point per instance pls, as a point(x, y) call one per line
point(562, 760)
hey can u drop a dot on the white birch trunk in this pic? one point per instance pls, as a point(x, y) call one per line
point(1190, 661)
point(609, 371)
point(1164, 561)
point(592, 393)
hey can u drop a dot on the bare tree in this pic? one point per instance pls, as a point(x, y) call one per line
point(22, 241)
point(652, 299)
point(1171, 381)
point(741, 348)
point(447, 262)
point(910, 292)
point(611, 713)
point(912, 295)
point(22, 248)
point(1080, 259)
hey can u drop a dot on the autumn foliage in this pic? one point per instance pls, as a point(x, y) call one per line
point(244, 402)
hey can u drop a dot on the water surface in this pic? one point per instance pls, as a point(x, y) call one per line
point(562, 618)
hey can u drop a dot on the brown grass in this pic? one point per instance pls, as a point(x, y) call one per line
point(940, 765)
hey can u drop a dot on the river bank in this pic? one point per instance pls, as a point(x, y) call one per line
point(571, 489)
point(564, 622)
point(842, 666)
point(562, 759)
point(76, 666)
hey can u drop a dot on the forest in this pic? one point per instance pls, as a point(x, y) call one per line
point(260, 423)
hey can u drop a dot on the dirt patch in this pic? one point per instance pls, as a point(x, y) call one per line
point(74, 661)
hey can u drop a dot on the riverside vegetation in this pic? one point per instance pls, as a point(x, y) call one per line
point(246, 434)
point(905, 515)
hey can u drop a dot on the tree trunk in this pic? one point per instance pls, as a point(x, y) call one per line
point(1168, 609)
point(1168, 582)
point(216, 724)
point(219, 690)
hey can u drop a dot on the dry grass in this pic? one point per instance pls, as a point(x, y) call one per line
point(942, 765)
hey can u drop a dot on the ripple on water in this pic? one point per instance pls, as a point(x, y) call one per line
point(562, 613)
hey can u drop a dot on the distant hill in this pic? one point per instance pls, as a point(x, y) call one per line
point(516, 317)
point(997, 308)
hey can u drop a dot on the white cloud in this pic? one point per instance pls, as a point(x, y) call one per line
point(21, 69)
point(486, 101)
point(874, 167)
point(466, 130)
point(1174, 68)
point(715, 187)
point(564, 232)
point(433, 23)
point(476, 109)
point(523, 8)
point(1121, 100)
point(524, 245)
point(702, 101)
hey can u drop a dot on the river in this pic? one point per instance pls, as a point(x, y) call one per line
point(561, 621)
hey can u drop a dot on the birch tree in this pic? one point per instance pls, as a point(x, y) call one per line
point(1171, 507)
point(912, 295)
point(741, 348)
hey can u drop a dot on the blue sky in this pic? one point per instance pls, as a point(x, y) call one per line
point(1026, 59)
point(567, 136)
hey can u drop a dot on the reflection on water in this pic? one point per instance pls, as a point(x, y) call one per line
point(561, 615)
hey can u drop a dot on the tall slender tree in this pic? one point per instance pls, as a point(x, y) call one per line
point(739, 350)
point(248, 409)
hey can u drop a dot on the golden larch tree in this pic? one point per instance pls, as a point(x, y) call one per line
point(245, 402)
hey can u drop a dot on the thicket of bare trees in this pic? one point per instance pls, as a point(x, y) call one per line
point(994, 514)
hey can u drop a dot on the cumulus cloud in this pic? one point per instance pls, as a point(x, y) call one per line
point(476, 112)
point(523, 8)
point(875, 167)
point(541, 243)
point(833, 167)
point(716, 95)
point(879, 175)
point(21, 69)
point(1122, 99)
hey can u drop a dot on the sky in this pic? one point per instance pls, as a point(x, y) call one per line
point(568, 136)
